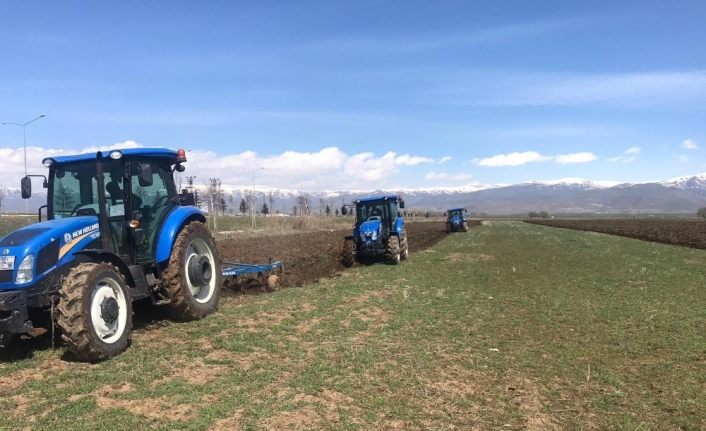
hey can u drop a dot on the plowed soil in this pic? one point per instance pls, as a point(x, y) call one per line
point(309, 256)
point(689, 233)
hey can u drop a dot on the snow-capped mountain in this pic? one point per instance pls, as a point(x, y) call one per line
point(688, 182)
point(566, 195)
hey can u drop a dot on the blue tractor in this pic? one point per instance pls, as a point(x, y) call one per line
point(379, 231)
point(456, 220)
point(117, 232)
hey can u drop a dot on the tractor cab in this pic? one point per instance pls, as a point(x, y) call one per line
point(378, 230)
point(132, 194)
point(456, 220)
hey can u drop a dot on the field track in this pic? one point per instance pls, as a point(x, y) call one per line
point(310, 256)
point(689, 233)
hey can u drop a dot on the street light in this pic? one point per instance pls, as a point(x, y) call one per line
point(252, 198)
point(24, 134)
point(24, 142)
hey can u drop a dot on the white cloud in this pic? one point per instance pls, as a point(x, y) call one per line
point(444, 159)
point(638, 90)
point(689, 144)
point(327, 168)
point(512, 159)
point(628, 155)
point(407, 160)
point(442, 176)
point(682, 158)
point(582, 157)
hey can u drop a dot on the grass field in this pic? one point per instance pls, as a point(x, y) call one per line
point(511, 326)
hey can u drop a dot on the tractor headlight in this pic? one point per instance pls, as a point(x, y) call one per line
point(25, 272)
point(115, 154)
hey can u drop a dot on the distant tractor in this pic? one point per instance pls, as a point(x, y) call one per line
point(456, 220)
point(379, 231)
point(117, 232)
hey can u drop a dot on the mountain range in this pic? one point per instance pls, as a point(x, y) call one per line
point(572, 195)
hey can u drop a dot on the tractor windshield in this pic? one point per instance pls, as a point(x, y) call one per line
point(74, 189)
point(453, 213)
point(384, 210)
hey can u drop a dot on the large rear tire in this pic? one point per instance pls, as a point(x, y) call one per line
point(95, 312)
point(348, 252)
point(393, 250)
point(404, 246)
point(5, 339)
point(193, 276)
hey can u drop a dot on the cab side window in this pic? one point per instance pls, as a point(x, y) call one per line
point(152, 201)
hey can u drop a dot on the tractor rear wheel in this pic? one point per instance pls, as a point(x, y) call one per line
point(404, 246)
point(393, 250)
point(193, 276)
point(348, 253)
point(95, 312)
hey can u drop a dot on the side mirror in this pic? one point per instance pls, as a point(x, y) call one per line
point(26, 187)
point(402, 204)
point(144, 174)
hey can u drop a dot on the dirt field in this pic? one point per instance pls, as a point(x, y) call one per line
point(310, 256)
point(689, 233)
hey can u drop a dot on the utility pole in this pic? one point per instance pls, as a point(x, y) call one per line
point(24, 143)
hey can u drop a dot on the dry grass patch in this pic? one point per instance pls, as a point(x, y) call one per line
point(468, 258)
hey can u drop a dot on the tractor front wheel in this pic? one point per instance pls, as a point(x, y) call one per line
point(95, 312)
point(404, 246)
point(393, 250)
point(193, 277)
point(348, 252)
point(465, 226)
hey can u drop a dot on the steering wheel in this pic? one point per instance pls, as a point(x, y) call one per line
point(86, 212)
point(159, 200)
point(74, 210)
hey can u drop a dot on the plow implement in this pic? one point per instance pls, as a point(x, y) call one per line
point(242, 274)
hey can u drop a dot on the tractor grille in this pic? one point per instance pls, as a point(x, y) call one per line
point(48, 256)
point(5, 276)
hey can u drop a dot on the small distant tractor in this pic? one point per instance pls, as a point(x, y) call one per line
point(456, 220)
point(379, 231)
point(117, 232)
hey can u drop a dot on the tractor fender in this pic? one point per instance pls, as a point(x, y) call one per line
point(399, 226)
point(101, 255)
point(175, 221)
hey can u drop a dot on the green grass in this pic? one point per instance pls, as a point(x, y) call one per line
point(511, 326)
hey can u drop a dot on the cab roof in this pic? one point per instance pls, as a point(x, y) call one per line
point(157, 153)
point(378, 198)
point(456, 209)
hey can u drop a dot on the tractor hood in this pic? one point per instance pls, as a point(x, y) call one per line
point(48, 243)
point(456, 220)
point(371, 230)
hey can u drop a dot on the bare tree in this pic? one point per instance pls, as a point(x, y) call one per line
point(271, 201)
point(3, 193)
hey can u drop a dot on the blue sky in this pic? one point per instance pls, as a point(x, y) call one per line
point(327, 94)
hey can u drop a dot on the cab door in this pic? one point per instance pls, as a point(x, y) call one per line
point(151, 198)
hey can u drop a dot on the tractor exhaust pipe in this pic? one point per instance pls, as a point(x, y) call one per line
point(103, 223)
